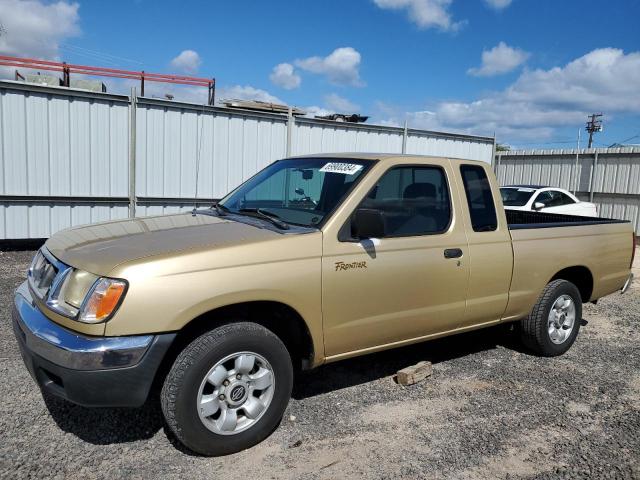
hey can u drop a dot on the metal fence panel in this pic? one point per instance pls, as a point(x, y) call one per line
point(174, 145)
point(52, 146)
point(446, 146)
point(65, 154)
point(317, 136)
point(29, 220)
point(615, 206)
point(608, 177)
point(559, 171)
point(166, 209)
point(618, 173)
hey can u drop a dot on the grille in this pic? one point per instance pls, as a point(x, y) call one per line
point(47, 277)
point(41, 274)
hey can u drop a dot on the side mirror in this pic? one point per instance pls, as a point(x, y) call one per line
point(299, 191)
point(367, 223)
point(538, 206)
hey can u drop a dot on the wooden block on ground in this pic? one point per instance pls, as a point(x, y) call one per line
point(414, 373)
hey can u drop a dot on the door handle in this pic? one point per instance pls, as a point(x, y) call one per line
point(452, 253)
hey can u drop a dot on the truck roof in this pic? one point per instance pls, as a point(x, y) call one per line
point(376, 156)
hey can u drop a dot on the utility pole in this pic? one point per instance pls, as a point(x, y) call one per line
point(594, 125)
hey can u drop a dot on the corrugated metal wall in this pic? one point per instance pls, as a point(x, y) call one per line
point(313, 136)
point(453, 146)
point(609, 177)
point(226, 149)
point(65, 154)
point(54, 146)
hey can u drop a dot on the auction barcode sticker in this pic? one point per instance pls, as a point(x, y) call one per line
point(344, 168)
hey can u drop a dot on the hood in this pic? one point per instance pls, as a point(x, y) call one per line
point(101, 247)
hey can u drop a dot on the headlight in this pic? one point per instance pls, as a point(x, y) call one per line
point(103, 300)
point(74, 293)
point(86, 297)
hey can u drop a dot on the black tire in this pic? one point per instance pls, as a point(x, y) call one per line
point(534, 330)
point(180, 390)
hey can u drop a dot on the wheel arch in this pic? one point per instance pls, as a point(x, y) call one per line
point(580, 276)
point(281, 319)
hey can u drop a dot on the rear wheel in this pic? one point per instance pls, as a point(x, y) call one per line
point(554, 322)
point(228, 389)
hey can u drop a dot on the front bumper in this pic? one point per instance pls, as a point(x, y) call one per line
point(90, 371)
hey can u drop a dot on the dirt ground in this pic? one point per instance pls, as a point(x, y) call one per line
point(490, 410)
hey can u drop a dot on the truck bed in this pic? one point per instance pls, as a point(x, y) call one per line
point(519, 219)
point(544, 244)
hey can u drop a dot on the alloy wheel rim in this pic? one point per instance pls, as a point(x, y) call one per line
point(235, 393)
point(561, 320)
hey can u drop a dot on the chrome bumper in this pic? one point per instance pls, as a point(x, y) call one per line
point(90, 371)
point(627, 284)
point(70, 349)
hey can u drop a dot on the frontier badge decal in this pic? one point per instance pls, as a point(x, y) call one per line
point(349, 266)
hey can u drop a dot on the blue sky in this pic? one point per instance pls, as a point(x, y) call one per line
point(530, 71)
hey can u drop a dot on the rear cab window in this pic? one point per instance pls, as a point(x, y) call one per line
point(477, 188)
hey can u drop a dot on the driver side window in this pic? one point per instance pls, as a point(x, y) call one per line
point(413, 201)
point(554, 198)
point(544, 197)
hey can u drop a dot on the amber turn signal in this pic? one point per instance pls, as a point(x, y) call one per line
point(103, 300)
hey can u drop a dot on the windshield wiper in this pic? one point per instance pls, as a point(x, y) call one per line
point(261, 213)
point(195, 212)
point(221, 209)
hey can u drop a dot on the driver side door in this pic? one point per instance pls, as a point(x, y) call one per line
point(402, 287)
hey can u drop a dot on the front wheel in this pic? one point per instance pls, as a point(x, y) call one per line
point(228, 389)
point(554, 322)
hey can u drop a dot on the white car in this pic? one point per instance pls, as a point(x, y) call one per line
point(545, 199)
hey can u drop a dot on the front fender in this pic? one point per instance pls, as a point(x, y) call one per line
point(168, 303)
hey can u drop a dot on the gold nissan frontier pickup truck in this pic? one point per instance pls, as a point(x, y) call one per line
point(312, 260)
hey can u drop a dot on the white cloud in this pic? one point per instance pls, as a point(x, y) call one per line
point(498, 4)
point(340, 104)
point(500, 59)
point(424, 13)
point(188, 62)
point(604, 79)
point(190, 93)
point(246, 92)
point(333, 103)
point(31, 28)
point(341, 67)
point(540, 101)
point(283, 75)
point(315, 111)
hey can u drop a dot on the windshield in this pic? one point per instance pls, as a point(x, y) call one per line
point(516, 197)
point(297, 191)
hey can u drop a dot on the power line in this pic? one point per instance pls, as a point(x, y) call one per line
point(626, 139)
point(546, 143)
point(106, 57)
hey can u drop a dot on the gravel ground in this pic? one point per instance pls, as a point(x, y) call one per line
point(490, 410)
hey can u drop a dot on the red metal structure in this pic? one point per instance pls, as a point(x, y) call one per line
point(67, 69)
